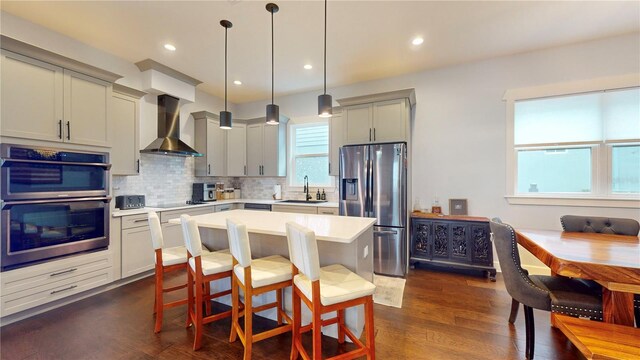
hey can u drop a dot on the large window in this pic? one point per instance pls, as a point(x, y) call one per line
point(309, 152)
point(580, 145)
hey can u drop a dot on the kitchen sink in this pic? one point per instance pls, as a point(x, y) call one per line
point(303, 201)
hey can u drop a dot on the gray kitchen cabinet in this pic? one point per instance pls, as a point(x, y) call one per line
point(137, 254)
point(336, 140)
point(237, 150)
point(377, 118)
point(125, 154)
point(44, 101)
point(211, 141)
point(266, 148)
point(295, 209)
point(172, 233)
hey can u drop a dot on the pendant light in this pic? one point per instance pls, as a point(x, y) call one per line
point(273, 111)
point(225, 116)
point(325, 103)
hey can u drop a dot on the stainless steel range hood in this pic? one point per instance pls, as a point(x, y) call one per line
point(168, 141)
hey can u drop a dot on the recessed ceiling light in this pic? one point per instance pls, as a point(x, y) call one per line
point(237, 82)
point(417, 41)
point(308, 67)
point(169, 47)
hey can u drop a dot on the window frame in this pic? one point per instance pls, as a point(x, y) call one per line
point(291, 169)
point(601, 178)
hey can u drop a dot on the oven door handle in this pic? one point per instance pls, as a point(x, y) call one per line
point(49, 162)
point(9, 204)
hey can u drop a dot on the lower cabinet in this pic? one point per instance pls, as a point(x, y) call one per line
point(304, 209)
point(452, 242)
point(36, 285)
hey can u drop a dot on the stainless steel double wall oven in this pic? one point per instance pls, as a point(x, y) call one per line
point(54, 203)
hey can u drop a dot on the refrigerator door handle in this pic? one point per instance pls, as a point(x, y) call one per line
point(392, 232)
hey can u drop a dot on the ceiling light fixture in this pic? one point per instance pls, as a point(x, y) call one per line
point(273, 111)
point(308, 67)
point(225, 116)
point(325, 103)
point(237, 82)
point(417, 41)
point(169, 47)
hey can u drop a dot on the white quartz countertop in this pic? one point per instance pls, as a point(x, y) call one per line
point(118, 213)
point(340, 229)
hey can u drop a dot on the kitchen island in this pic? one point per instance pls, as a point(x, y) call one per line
point(341, 240)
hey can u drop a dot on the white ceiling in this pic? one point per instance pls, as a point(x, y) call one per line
point(366, 39)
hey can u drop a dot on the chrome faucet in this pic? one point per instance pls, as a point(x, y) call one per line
point(306, 188)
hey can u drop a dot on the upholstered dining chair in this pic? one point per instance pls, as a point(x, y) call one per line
point(550, 293)
point(605, 225)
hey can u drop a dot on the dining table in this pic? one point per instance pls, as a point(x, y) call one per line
point(613, 261)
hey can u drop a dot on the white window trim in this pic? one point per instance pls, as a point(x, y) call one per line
point(602, 150)
point(305, 121)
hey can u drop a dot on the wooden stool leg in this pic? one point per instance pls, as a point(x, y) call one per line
point(189, 298)
point(235, 307)
point(158, 303)
point(341, 326)
point(207, 292)
point(370, 330)
point(317, 321)
point(297, 321)
point(248, 320)
point(280, 307)
point(197, 342)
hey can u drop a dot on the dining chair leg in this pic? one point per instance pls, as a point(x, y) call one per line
point(248, 321)
point(234, 308)
point(341, 326)
point(297, 321)
point(515, 305)
point(158, 303)
point(530, 332)
point(370, 329)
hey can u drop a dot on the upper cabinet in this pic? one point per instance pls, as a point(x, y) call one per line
point(237, 150)
point(377, 118)
point(49, 97)
point(125, 115)
point(211, 141)
point(336, 140)
point(266, 148)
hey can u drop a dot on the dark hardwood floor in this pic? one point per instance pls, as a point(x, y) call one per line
point(444, 316)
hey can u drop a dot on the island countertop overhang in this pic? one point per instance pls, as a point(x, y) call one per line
point(340, 229)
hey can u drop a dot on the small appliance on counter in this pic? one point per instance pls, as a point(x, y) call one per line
point(203, 192)
point(126, 202)
point(219, 191)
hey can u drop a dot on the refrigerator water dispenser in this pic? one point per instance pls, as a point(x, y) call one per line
point(350, 189)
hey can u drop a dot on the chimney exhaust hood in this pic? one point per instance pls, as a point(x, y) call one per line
point(168, 141)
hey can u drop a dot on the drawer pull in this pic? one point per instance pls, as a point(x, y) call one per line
point(65, 289)
point(64, 272)
point(140, 220)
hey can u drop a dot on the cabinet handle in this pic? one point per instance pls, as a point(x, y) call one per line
point(374, 134)
point(209, 169)
point(138, 167)
point(369, 134)
point(64, 272)
point(65, 289)
point(245, 169)
point(68, 130)
point(60, 129)
point(140, 220)
point(329, 168)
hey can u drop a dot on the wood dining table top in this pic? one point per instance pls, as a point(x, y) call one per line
point(606, 258)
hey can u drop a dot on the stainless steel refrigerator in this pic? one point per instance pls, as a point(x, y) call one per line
point(373, 183)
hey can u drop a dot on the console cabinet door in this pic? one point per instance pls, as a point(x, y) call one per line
point(440, 240)
point(25, 83)
point(481, 247)
point(460, 249)
point(420, 241)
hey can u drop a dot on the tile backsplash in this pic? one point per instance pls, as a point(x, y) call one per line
point(169, 179)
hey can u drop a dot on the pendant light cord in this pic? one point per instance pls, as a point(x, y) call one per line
point(325, 47)
point(272, 56)
point(225, 68)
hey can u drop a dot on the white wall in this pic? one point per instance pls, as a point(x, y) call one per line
point(459, 137)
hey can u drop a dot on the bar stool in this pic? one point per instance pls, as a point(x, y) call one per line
point(167, 260)
point(323, 290)
point(203, 268)
point(255, 277)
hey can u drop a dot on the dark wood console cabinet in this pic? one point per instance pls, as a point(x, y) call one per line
point(458, 242)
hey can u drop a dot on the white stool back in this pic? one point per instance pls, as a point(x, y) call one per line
point(156, 231)
point(192, 240)
point(303, 250)
point(239, 242)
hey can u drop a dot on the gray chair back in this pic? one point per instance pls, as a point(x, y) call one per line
point(595, 224)
point(516, 280)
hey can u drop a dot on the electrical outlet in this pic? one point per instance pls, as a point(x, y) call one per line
point(366, 251)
